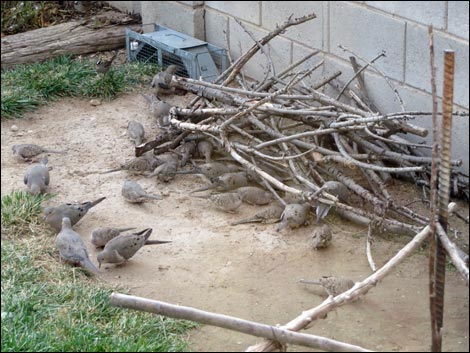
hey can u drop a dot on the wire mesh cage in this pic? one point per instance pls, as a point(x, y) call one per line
point(193, 58)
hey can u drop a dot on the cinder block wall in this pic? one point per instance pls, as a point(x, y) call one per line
point(365, 27)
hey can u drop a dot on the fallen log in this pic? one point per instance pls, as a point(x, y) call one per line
point(101, 33)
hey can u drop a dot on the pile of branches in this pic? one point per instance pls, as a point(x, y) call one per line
point(283, 129)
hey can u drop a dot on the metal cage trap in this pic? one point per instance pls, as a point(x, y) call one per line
point(193, 58)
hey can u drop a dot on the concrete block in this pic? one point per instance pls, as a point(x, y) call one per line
point(309, 33)
point(428, 13)
point(192, 3)
point(216, 23)
point(367, 33)
point(126, 6)
point(244, 10)
point(418, 72)
point(279, 49)
point(175, 16)
point(457, 18)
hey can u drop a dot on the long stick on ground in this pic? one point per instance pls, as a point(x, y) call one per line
point(307, 317)
point(231, 323)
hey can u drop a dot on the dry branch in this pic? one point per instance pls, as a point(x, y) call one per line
point(231, 323)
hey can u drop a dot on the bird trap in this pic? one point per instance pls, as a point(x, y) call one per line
point(194, 58)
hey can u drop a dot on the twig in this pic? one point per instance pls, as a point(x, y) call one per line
point(359, 72)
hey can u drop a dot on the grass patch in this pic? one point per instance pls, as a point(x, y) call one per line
point(26, 87)
point(49, 306)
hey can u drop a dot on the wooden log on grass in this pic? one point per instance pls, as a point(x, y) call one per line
point(104, 32)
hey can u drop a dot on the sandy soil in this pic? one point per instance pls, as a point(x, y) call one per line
point(248, 271)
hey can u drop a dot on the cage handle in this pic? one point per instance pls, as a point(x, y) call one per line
point(172, 34)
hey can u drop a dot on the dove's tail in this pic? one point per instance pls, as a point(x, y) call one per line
point(54, 151)
point(120, 230)
point(156, 242)
point(309, 282)
point(94, 203)
point(153, 197)
point(246, 220)
point(205, 188)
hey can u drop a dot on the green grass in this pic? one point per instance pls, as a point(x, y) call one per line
point(20, 209)
point(26, 87)
point(50, 306)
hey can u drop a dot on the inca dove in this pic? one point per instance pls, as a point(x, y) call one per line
point(271, 214)
point(334, 188)
point(103, 66)
point(37, 178)
point(332, 285)
point(161, 81)
point(205, 149)
point(186, 150)
point(321, 237)
point(227, 202)
point(100, 236)
point(71, 247)
point(211, 170)
point(294, 215)
point(26, 151)
point(226, 182)
point(74, 211)
point(138, 165)
point(254, 195)
point(133, 193)
point(167, 166)
point(136, 132)
point(123, 247)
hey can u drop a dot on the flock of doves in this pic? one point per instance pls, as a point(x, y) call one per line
point(233, 185)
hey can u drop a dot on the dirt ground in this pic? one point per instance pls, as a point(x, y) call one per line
point(248, 271)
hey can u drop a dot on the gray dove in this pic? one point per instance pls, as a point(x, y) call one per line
point(294, 215)
point(321, 237)
point(167, 166)
point(138, 165)
point(37, 178)
point(160, 110)
point(135, 131)
point(161, 81)
point(271, 214)
point(133, 193)
point(334, 188)
point(100, 236)
point(120, 249)
point(72, 248)
point(226, 182)
point(254, 195)
point(205, 149)
point(211, 170)
point(332, 285)
point(74, 211)
point(26, 151)
point(227, 202)
point(186, 150)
